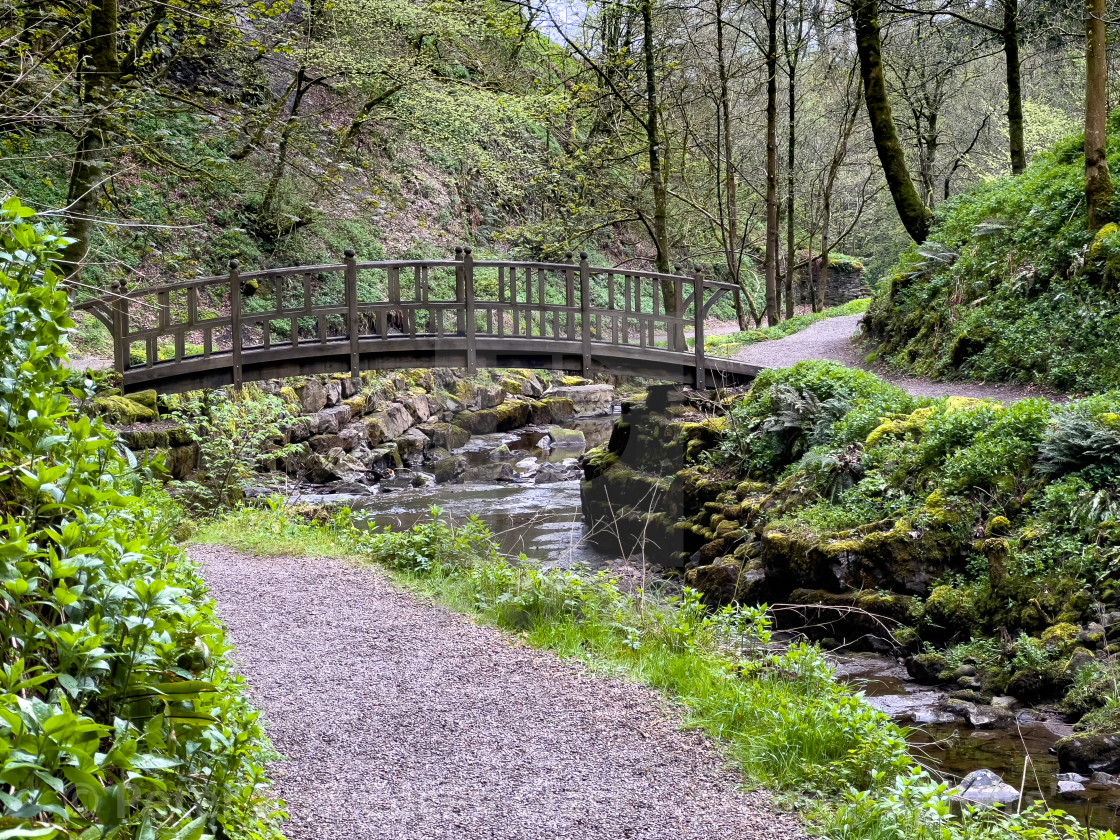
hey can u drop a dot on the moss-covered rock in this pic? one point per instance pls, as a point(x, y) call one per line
point(149, 399)
point(123, 411)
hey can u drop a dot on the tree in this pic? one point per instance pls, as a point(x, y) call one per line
point(1098, 182)
point(771, 265)
point(913, 213)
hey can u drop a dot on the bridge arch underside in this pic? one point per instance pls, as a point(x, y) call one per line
point(216, 370)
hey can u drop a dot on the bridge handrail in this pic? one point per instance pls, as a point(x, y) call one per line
point(635, 314)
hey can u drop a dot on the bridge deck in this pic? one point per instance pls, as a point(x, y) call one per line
point(276, 323)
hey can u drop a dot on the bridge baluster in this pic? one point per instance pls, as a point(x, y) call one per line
point(352, 310)
point(585, 311)
point(235, 319)
point(698, 325)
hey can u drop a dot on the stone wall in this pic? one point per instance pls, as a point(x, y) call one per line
point(845, 283)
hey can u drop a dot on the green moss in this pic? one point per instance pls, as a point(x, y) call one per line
point(123, 411)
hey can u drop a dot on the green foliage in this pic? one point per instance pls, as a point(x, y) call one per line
point(790, 410)
point(238, 434)
point(120, 716)
point(1085, 440)
point(1010, 285)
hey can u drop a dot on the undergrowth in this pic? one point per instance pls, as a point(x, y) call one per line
point(1010, 285)
point(779, 712)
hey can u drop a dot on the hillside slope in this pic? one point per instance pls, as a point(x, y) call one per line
point(1010, 285)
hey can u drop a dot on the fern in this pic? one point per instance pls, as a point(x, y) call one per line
point(1078, 442)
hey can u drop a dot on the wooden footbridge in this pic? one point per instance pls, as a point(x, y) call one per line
point(390, 314)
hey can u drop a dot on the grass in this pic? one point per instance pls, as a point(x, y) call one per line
point(780, 714)
point(728, 345)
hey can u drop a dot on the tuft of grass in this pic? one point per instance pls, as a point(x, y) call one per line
point(728, 345)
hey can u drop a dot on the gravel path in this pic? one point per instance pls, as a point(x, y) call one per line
point(403, 720)
point(831, 340)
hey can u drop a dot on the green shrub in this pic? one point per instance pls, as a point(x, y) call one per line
point(120, 717)
point(790, 410)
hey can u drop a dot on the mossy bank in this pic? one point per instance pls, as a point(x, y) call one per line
point(955, 532)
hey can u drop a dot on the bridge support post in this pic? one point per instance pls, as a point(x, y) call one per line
point(352, 312)
point(698, 322)
point(235, 320)
point(468, 292)
point(120, 326)
point(585, 311)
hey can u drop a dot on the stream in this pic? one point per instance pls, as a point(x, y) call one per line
point(544, 522)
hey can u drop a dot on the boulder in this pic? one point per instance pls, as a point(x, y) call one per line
point(299, 430)
point(445, 435)
point(566, 438)
point(539, 413)
point(146, 398)
point(560, 409)
point(551, 473)
point(330, 421)
point(417, 406)
point(717, 582)
point(491, 396)
point(499, 471)
point(122, 410)
point(178, 461)
point(412, 445)
point(382, 461)
point(312, 396)
point(983, 787)
point(479, 422)
point(1069, 789)
point(389, 424)
point(333, 390)
point(450, 470)
point(586, 399)
point(1088, 754)
point(352, 437)
point(503, 453)
point(323, 444)
point(1103, 781)
point(925, 668)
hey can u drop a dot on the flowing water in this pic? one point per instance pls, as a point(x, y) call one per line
point(544, 522)
point(952, 749)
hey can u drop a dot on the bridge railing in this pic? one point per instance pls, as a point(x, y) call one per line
point(221, 321)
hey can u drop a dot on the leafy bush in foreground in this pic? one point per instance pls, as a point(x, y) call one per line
point(119, 716)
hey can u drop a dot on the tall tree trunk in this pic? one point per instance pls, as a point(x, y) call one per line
point(1014, 86)
point(822, 275)
point(101, 72)
point(731, 237)
point(1098, 183)
point(772, 164)
point(915, 216)
point(791, 147)
point(929, 158)
point(282, 153)
point(657, 175)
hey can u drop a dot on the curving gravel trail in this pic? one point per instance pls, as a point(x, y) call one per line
point(831, 340)
point(401, 719)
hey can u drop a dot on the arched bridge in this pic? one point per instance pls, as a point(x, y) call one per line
point(389, 314)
